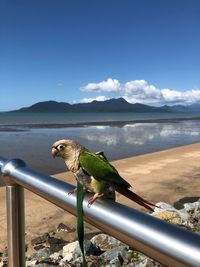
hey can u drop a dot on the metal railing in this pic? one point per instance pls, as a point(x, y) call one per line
point(162, 241)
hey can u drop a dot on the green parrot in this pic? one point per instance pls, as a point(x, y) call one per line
point(95, 173)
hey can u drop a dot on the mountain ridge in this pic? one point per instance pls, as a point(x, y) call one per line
point(111, 105)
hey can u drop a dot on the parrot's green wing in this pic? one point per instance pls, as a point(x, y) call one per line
point(100, 168)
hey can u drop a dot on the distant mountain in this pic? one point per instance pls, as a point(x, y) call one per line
point(193, 108)
point(47, 106)
point(111, 105)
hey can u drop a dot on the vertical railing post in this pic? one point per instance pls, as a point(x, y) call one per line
point(15, 215)
point(15, 224)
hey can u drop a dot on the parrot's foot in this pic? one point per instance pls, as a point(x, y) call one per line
point(72, 191)
point(94, 198)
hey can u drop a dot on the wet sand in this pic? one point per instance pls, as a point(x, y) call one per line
point(169, 176)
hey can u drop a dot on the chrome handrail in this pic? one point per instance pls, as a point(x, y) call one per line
point(160, 240)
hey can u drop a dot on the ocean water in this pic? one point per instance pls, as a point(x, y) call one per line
point(19, 139)
point(16, 119)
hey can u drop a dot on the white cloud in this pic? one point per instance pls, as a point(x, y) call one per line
point(134, 86)
point(187, 97)
point(98, 98)
point(111, 85)
point(140, 91)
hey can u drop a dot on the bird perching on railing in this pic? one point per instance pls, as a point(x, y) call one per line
point(94, 174)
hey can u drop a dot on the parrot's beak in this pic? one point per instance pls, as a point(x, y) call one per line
point(54, 152)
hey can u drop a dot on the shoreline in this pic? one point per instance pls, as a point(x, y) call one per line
point(169, 175)
point(116, 123)
point(45, 170)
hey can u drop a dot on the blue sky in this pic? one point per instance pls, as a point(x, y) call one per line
point(75, 51)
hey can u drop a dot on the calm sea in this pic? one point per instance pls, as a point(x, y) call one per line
point(30, 136)
point(15, 119)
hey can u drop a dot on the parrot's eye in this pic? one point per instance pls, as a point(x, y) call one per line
point(60, 147)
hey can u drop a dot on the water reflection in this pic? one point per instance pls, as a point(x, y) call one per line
point(117, 142)
point(140, 138)
point(140, 134)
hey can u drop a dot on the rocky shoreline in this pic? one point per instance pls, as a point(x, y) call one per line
point(53, 249)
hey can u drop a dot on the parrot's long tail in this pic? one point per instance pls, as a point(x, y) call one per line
point(134, 197)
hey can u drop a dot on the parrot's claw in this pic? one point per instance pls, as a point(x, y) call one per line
point(92, 199)
point(72, 191)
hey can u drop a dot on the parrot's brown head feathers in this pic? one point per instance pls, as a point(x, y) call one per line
point(65, 147)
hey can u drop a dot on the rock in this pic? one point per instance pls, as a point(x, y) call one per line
point(170, 214)
point(164, 207)
point(114, 263)
point(104, 250)
point(191, 212)
point(31, 263)
point(47, 241)
point(180, 203)
point(56, 244)
point(64, 228)
point(188, 217)
point(172, 217)
point(56, 256)
point(191, 207)
point(46, 265)
point(68, 251)
point(43, 263)
point(147, 262)
point(41, 254)
point(115, 256)
point(72, 251)
point(105, 242)
point(92, 261)
point(143, 261)
point(40, 239)
point(113, 253)
point(4, 258)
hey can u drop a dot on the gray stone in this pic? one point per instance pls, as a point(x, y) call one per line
point(46, 265)
point(192, 206)
point(106, 242)
point(115, 263)
point(92, 261)
point(115, 255)
point(68, 251)
point(106, 251)
point(164, 206)
point(191, 216)
point(64, 228)
point(72, 251)
point(44, 241)
point(180, 203)
point(40, 239)
point(41, 254)
point(31, 263)
point(56, 256)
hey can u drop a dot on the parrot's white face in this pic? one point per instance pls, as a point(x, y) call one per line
point(64, 148)
point(69, 150)
point(61, 148)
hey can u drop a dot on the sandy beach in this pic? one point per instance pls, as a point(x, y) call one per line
point(170, 176)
